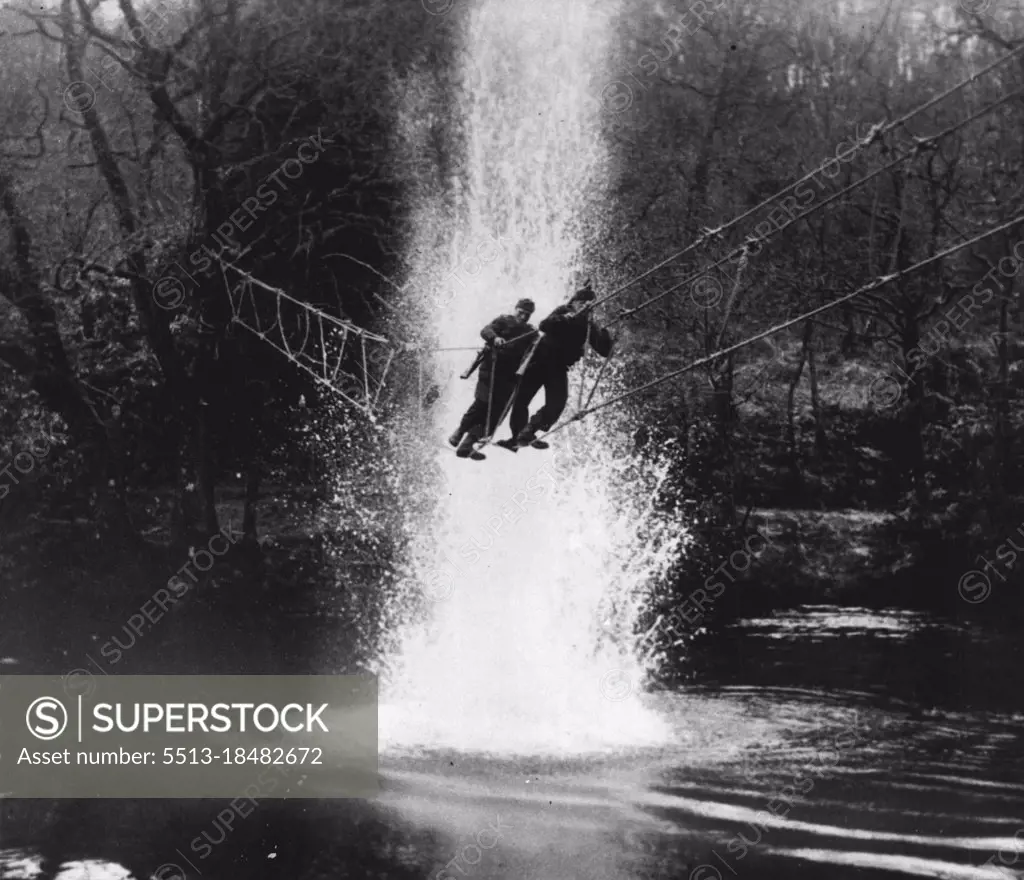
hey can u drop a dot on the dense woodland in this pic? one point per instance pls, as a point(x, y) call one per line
point(153, 410)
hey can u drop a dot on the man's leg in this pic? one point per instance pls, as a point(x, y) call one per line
point(502, 393)
point(473, 422)
point(556, 395)
point(528, 388)
point(474, 416)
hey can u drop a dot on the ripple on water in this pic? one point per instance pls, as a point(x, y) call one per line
point(21, 865)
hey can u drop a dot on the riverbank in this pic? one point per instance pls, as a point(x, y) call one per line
point(824, 555)
point(302, 564)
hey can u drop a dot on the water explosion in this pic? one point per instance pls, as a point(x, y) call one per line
point(535, 566)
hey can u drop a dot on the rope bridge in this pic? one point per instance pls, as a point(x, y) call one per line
point(317, 342)
point(350, 361)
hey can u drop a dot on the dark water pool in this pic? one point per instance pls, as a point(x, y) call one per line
point(818, 742)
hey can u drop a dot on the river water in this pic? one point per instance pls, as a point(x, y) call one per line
point(818, 742)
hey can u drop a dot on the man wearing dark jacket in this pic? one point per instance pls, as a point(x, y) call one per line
point(508, 339)
point(564, 336)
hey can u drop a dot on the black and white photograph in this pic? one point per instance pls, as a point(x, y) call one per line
point(511, 439)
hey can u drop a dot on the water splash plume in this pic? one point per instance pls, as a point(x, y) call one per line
point(527, 579)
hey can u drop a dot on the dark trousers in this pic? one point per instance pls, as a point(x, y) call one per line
point(475, 419)
point(554, 378)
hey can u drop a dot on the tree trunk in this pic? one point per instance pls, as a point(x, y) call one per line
point(848, 347)
point(252, 498)
point(256, 396)
point(796, 475)
point(112, 485)
point(256, 393)
point(915, 412)
point(820, 437)
point(1002, 398)
point(724, 417)
point(185, 512)
point(204, 470)
point(50, 373)
point(155, 321)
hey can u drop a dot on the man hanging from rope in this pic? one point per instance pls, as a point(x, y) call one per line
point(508, 339)
point(564, 336)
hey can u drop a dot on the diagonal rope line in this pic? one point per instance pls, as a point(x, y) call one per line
point(392, 353)
point(600, 375)
point(877, 132)
point(921, 143)
point(583, 384)
point(920, 146)
point(867, 288)
point(504, 414)
point(347, 325)
point(490, 391)
point(329, 378)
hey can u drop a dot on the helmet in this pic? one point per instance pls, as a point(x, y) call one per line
point(585, 293)
point(527, 305)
